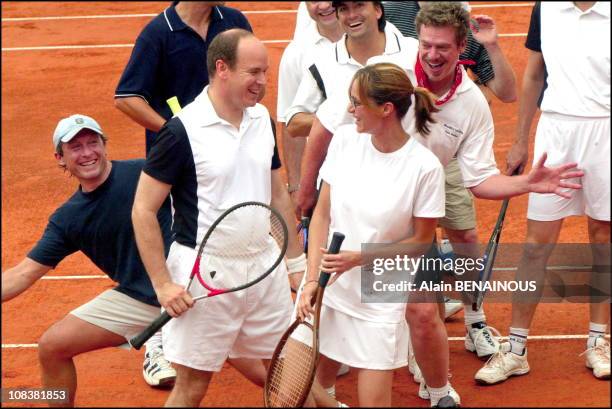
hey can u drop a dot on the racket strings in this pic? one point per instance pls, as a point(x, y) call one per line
point(242, 247)
point(290, 375)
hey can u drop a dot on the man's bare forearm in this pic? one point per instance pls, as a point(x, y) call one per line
point(314, 154)
point(533, 83)
point(300, 124)
point(503, 85)
point(293, 149)
point(140, 112)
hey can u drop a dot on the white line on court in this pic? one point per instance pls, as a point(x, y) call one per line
point(110, 16)
point(76, 47)
point(452, 339)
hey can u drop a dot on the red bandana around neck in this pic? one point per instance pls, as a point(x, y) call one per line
point(422, 80)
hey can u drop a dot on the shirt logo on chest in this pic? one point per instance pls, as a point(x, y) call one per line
point(452, 131)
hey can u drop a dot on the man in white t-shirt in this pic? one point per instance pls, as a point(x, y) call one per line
point(571, 43)
point(298, 58)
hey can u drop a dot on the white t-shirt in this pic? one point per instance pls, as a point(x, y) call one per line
point(295, 62)
point(374, 197)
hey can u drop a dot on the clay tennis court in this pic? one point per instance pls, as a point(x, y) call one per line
point(56, 66)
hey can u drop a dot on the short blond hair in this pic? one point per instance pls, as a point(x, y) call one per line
point(444, 14)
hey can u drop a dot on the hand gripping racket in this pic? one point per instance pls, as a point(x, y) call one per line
point(241, 248)
point(296, 356)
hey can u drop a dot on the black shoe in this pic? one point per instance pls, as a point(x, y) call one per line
point(447, 402)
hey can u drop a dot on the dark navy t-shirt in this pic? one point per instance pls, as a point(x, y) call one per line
point(169, 60)
point(99, 223)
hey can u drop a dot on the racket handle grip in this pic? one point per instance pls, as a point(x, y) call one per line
point(334, 248)
point(138, 341)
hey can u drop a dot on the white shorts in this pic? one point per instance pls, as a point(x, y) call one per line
point(244, 324)
point(585, 141)
point(117, 313)
point(362, 344)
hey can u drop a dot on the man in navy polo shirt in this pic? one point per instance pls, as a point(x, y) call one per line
point(97, 221)
point(167, 61)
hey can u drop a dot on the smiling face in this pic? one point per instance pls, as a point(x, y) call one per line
point(439, 53)
point(84, 156)
point(359, 18)
point(367, 115)
point(247, 81)
point(322, 13)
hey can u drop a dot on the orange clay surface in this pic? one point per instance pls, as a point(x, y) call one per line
point(41, 86)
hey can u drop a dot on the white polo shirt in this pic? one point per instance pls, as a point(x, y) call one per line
point(296, 60)
point(576, 50)
point(463, 129)
point(211, 165)
point(336, 68)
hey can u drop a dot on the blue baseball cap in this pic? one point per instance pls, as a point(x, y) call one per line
point(67, 128)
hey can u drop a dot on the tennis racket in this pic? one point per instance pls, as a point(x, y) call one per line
point(489, 256)
point(296, 356)
point(241, 248)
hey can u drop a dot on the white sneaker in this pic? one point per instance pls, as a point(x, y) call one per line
point(156, 370)
point(598, 358)
point(451, 307)
point(483, 341)
point(424, 393)
point(414, 369)
point(502, 365)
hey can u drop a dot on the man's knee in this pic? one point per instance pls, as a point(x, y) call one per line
point(423, 318)
point(599, 231)
point(191, 383)
point(52, 345)
point(467, 236)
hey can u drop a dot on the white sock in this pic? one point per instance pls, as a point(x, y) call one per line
point(155, 342)
point(518, 340)
point(331, 391)
point(435, 394)
point(595, 331)
point(472, 317)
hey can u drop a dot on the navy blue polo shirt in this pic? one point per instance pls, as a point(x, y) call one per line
point(99, 223)
point(169, 60)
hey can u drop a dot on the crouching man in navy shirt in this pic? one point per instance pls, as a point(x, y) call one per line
point(97, 221)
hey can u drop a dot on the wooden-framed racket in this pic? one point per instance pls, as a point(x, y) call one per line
point(294, 363)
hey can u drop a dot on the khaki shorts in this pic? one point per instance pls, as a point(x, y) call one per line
point(117, 313)
point(460, 211)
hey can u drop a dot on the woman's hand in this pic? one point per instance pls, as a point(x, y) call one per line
point(305, 308)
point(339, 263)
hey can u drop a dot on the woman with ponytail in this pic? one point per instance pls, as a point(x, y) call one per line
point(380, 185)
